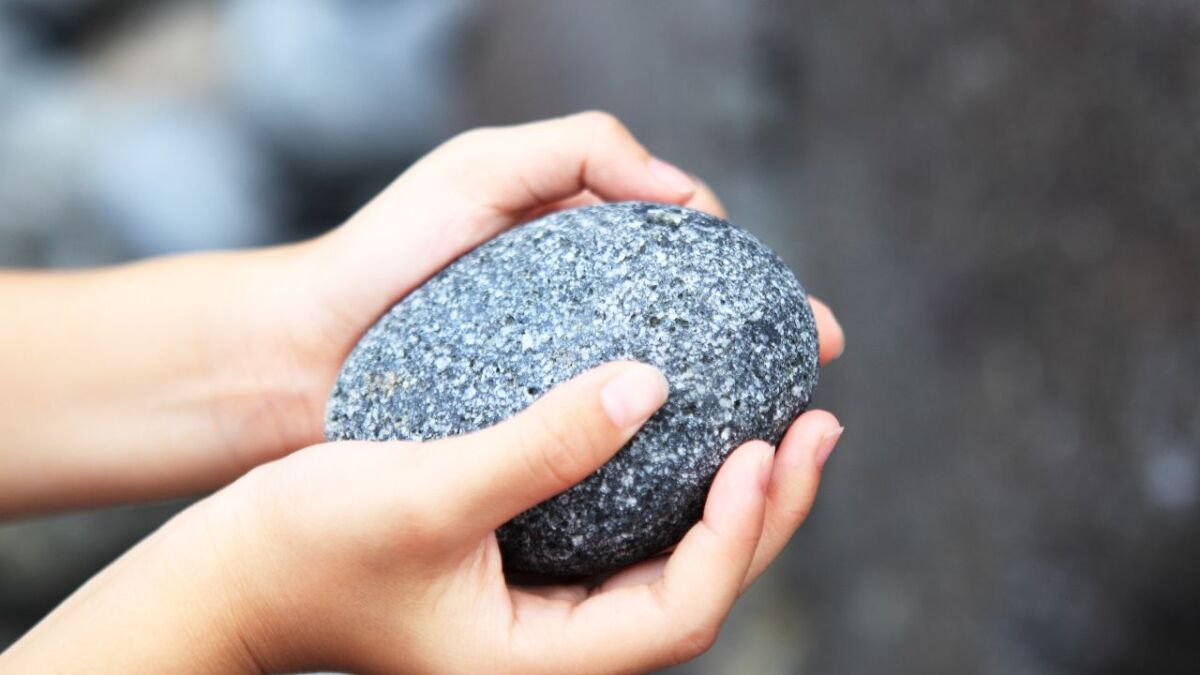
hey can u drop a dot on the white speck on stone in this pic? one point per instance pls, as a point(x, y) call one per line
point(673, 217)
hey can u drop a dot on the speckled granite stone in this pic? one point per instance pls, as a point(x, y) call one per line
point(707, 303)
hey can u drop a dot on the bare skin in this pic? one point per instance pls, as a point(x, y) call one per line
point(181, 375)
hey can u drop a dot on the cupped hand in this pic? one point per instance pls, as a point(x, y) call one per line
point(314, 300)
point(382, 556)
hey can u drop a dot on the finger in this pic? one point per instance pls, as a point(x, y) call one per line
point(829, 331)
point(585, 198)
point(480, 183)
point(794, 479)
point(555, 443)
point(512, 170)
point(703, 200)
point(677, 616)
point(706, 200)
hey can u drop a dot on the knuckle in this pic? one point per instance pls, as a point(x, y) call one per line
point(604, 123)
point(778, 530)
point(421, 526)
point(463, 145)
point(470, 136)
point(694, 640)
point(795, 515)
point(407, 506)
point(690, 629)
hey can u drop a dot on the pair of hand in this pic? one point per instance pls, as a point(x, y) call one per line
point(381, 556)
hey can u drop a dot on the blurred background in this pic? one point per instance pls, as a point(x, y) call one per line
point(1000, 199)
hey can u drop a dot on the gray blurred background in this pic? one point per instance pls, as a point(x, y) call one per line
point(1000, 199)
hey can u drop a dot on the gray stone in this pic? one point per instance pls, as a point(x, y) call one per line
point(701, 299)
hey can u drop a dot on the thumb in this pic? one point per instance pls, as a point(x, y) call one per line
point(555, 443)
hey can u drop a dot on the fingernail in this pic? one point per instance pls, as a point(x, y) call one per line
point(672, 176)
point(632, 397)
point(828, 442)
point(766, 464)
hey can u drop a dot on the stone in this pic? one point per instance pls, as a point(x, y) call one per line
point(724, 319)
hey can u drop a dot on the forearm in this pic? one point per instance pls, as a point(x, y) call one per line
point(143, 381)
point(167, 605)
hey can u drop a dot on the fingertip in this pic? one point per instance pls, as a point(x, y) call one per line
point(830, 334)
point(810, 439)
point(810, 425)
point(756, 455)
point(794, 482)
point(706, 200)
point(827, 443)
point(558, 441)
point(671, 177)
point(634, 394)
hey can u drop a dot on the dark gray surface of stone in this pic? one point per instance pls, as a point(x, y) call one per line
point(701, 299)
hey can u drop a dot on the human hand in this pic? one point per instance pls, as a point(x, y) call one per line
point(319, 298)
point(176, 375)
point(382, 557)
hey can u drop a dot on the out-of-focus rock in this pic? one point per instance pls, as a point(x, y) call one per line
point(172, 178)
point(341, 84)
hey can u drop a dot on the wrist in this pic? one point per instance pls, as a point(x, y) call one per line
point(158, 379)
point(265, 358)
point(220, 370)
point(240, 380)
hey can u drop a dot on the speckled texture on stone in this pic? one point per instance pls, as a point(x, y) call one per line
point(701, 299)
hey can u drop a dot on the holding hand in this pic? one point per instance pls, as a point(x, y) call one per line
point(177, 375)
point(381, 557)
point(465, 192)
